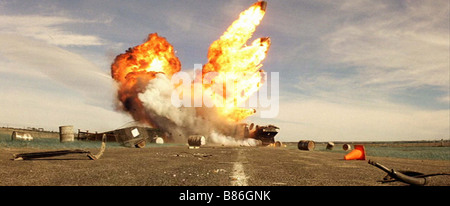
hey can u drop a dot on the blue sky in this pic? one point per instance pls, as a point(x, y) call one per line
point(349, 70)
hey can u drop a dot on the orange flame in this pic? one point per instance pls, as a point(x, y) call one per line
point(229, 57)
point(232, 59)
point(135, 68)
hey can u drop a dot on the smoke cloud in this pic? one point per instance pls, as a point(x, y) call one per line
point(220, 139)
point(180, 122)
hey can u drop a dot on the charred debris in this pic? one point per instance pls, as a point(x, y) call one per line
point(138, 136)
point(55, 153)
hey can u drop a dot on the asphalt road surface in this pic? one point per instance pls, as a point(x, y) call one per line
point(211, 166)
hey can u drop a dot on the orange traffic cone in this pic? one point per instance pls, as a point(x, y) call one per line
point(357, 154)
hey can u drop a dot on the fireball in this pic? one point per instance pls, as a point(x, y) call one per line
point(233, 61)
point(230, 59)
point(137, 66)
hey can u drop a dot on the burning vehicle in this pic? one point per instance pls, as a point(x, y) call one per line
point(265, 133)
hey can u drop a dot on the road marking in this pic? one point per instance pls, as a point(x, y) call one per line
point(238, 177)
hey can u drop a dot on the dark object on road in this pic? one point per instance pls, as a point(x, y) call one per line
point(34, 155)
point(346, 147)
point(265, 133)
point(330, 145)
point(136, 142)
point(196, 140)
point(135, 136)
point(306, 145)
point(408, 177)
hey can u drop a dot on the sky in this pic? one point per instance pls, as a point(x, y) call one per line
point(349, 70)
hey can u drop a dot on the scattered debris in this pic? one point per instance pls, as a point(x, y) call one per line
point(193, 154)
point(408, 177)
point(34, 155)
point(135, 136)
point(201, 155)
point(136, 142)
point(219, 170)
point(266, 134)
point(102, 149)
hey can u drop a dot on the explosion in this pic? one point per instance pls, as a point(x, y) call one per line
point(144, 73)
point(236, 62)
point(134, 69)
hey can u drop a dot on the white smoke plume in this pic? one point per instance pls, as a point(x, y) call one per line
point(220, 139)
point(180, 122)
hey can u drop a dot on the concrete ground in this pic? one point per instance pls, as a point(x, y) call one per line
point(211, 166)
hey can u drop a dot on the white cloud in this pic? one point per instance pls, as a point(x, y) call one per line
point(49, 85)
point(49, 29)
point(324, 121)
point(369, 52)
point(407, 47)
point(445, 99)
point(37, 108)
point(66, 68)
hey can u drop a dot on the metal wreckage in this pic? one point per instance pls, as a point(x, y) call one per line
point(138, 136)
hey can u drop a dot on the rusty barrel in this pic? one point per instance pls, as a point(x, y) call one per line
point(196, 140)
point(21, 136)
point(346, 147)
point(278, 144)
point(66, 133)
point(159, 140)
point(306, 145)
point(330, 145)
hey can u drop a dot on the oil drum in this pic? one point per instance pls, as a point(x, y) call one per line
point(196, 140)
point(346, 147)
point(306, 145)
point(66, 133)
